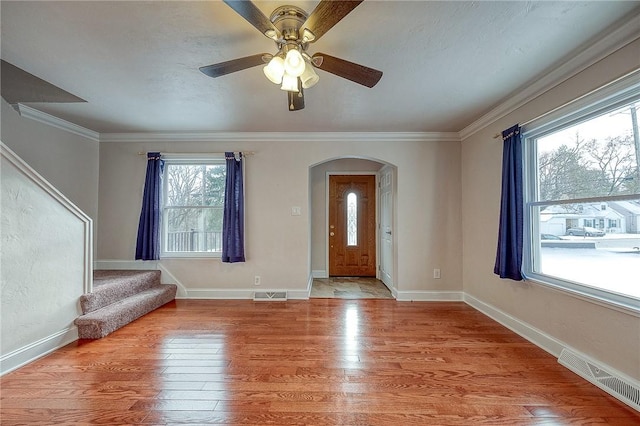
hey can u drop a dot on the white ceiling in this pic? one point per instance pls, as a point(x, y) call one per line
point(445, 63)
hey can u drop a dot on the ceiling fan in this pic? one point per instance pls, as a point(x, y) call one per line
point(292, 29)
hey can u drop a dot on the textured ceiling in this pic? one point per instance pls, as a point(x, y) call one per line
point(445, 63)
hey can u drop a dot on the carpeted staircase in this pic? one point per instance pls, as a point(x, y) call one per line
point(120, 297)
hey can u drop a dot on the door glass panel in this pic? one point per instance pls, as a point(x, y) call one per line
point(352, 219)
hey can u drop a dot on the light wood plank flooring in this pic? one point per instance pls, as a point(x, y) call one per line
point(316, 362)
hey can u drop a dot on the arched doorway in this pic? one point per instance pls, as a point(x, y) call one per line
point(381, 284)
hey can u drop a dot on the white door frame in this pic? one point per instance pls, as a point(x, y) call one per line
point(388, 278)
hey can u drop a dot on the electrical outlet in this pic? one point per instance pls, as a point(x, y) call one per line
point(256, 280)
point(436, 273)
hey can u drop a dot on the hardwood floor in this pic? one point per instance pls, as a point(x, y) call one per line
point(316, 362)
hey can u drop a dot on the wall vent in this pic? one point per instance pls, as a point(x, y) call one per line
point(621, 388)
point(274, 296)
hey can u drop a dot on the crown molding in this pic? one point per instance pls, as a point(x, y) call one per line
point(42, 117)
point(604, 46)
point(59, 123)
point(281, 136)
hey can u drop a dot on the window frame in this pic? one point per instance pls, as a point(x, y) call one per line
point(184, 159)
point(611, 96)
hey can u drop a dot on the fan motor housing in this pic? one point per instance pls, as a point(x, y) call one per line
point(288, 20)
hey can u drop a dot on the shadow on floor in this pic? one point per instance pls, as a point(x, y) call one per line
point(349, 288)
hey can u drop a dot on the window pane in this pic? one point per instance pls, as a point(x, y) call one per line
point(594, 158)
point(184, 185)
point(352, 219)
point(195, 185)
point(595, 244)
point(193, 230)
point(214, 183)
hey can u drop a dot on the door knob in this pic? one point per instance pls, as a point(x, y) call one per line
point(331, 234)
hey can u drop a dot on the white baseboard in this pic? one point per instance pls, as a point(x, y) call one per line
point(169, 278)
point(319, 273)
point(239, 294)
point(427, 296)
point(394, 292)
point(37, 349)
point(618, 385)
point(532, 334)
point(309, 286)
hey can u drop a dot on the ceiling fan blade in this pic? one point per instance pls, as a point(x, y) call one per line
point(254, 16)
point(223, 68)
point(327, 14)
point(295, 101)
point(351, 71)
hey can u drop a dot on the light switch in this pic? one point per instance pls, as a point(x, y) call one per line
point(296, 211)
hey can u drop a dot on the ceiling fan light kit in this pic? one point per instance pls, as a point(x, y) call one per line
point(294, 62)
point(274, 70)
point(293, 30)
point(289, 83)
point(309, 78)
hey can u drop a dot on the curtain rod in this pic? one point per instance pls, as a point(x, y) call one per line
point(198, 153)
point(497, 135)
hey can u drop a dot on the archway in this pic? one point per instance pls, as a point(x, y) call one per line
point(385, 210)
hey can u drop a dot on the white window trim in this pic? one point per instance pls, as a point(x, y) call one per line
point(616, 93)
point(188, 158)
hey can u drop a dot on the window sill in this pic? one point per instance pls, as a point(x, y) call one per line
point(620, 303)
point(191, 256)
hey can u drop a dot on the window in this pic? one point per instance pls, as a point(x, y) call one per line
point(352, 219)
point(582, 172)
point(193, 202)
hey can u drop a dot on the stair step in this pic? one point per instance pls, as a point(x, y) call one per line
point(100, 322)
point(110, 286)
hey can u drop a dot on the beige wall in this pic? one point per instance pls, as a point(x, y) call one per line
point(278, 245)
point(605, 334)
point(68, 161)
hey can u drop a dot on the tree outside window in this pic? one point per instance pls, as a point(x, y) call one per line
point(193, 207)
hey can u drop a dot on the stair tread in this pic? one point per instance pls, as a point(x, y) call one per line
point(120, 297)
point(127, 301)
point(103, 321)
point(110, 286)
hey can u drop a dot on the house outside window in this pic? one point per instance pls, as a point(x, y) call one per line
point(193, 203)
point(582, 184)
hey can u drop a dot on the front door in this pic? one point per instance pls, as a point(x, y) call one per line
point(352, 225)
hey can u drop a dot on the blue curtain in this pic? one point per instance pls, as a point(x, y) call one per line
point(509, 253)
point(233, 219)
point(148, 243)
